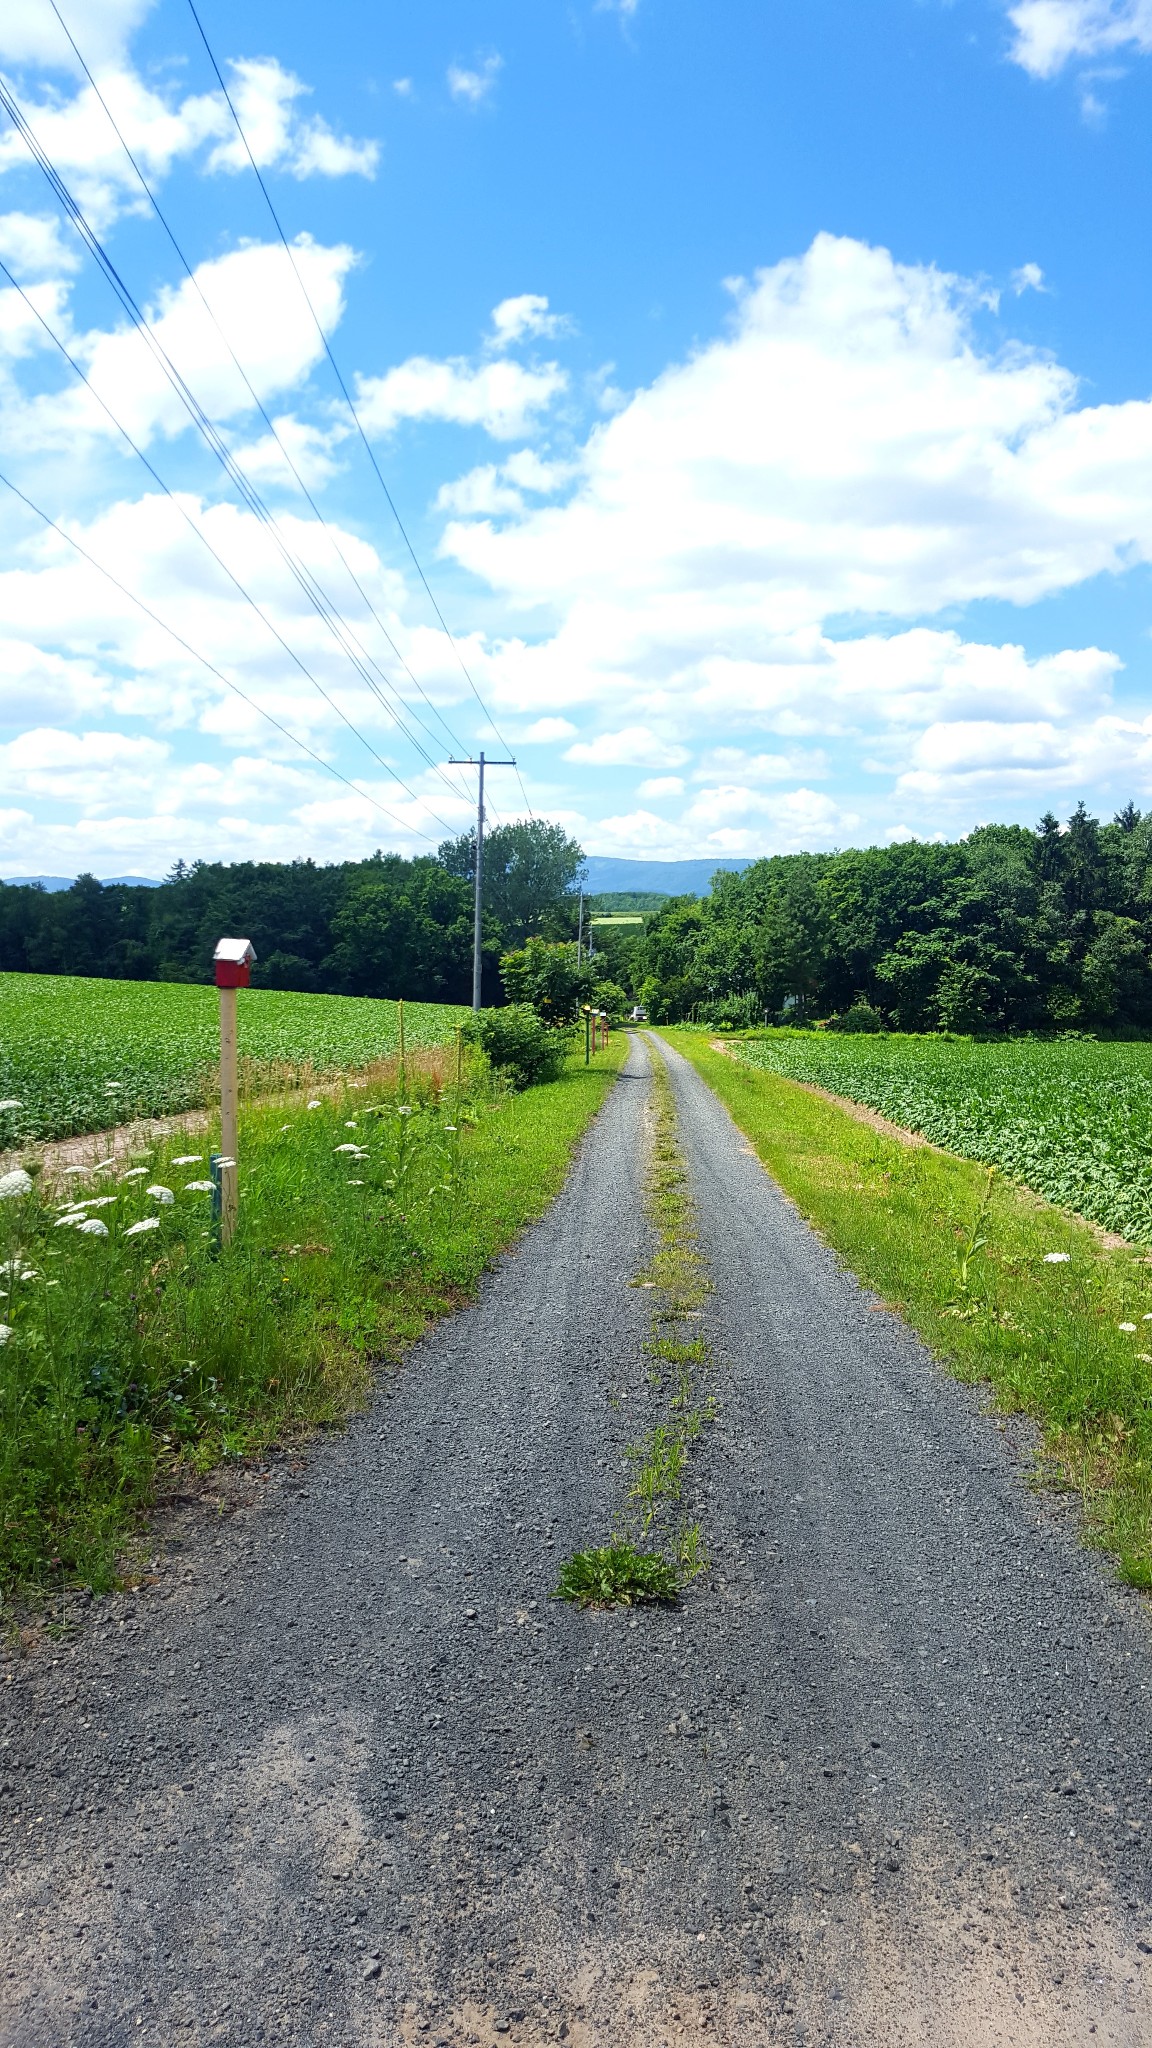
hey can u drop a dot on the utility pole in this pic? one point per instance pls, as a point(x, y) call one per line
point(580, 932)
point(481, 764)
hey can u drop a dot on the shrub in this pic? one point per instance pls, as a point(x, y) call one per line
point(861, 1017)
point(550, 977)
point(519, 1044)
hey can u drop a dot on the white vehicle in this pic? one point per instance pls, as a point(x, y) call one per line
point(638, 1015)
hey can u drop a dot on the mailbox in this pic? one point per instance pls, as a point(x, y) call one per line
point(233, 959)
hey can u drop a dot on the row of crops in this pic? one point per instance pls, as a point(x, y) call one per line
point(79, 1055)
point(1070, 1118)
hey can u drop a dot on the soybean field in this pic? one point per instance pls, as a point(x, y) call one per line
point(80, 1055)
point(1070, 1118)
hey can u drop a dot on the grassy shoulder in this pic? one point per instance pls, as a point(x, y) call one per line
point(132, 1343)
point(1003, 1287)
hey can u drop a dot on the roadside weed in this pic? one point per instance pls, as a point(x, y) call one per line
point(617, 1575)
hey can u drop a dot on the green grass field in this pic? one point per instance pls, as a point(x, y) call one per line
point(79, 1055)
point(1068, 1117)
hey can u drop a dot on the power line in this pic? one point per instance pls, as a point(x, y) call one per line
point(214, 552)
point(346, 395)
point(303, 576)
point(255, 397)
point(209, 665)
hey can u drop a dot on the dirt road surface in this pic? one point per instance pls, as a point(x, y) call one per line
point(346, 1775)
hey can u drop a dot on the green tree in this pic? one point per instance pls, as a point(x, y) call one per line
point(530, 874)
point(548, 976)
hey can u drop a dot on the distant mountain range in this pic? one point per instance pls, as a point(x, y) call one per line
point(52, 882)
point(605, 874)
point(664, 877)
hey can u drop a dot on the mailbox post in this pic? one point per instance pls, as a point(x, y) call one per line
point(233, 963)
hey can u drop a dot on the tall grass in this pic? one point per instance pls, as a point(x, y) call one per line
point(363, 1214)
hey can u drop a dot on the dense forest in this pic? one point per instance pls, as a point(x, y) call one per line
point(1006, 930)
point(384, 926)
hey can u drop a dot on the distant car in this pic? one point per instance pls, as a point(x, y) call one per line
point(639, 1016)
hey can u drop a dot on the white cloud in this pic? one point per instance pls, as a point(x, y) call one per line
point(528, 315)
point(159, 130)
point(402, 86)
point(634, 747)
point(474, 86)
point(547, 731)
point(32, 245)
point(31, 34)
point(265, 97)
point(1051, 33)
point(255, 298)
point(662, 786)
point(89, 767)
point(502, 397)
point(1029, 278)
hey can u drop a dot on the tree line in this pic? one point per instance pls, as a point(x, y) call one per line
point(1009, 929)
point(386, 926)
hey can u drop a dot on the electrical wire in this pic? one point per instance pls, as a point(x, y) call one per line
point(209, 665)
point(301, 574)
point(346, 395)
point(214, 552)
point(453, 737)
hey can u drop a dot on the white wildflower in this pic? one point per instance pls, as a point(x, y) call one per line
point(188, 1159)
point(161, 1195)
point(405, 1109)
point(15, 1183)
point(113, 1087)
point(134, 1173)
point(314, 1105)
point(10, 1102)
point(225, 1162)
point(350, 1123)
point(91, 1226)
point(76, 1169)
point(1057, 1258)
point(145, 1223)
point(1130, 1327)
point(347, 1148)
point(73, 1216)
point(1146, 1319)
point(199, 1187)
point(29, 1273)
point(6, 1331)
point(355, 1183)
point(102, 1163)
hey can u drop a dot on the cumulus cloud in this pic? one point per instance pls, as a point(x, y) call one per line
point(475, 84)
point(502, 397)
point(31, 34)
point(161, 130)
point(254, 296)
point(1051, 33)
point(634, 747)
point(33, 245)
point(526, 316)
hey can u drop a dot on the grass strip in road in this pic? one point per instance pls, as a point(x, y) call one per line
point(1003, 1287)
point(654, 1549)
point(131, 1345)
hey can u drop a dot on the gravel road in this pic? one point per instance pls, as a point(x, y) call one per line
point(344, 1775)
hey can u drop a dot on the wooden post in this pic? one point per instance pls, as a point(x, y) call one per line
point(229, 1115)
point(587, 1034)
point(400, 1031)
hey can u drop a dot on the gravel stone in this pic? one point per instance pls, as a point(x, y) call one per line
point(673, 1825)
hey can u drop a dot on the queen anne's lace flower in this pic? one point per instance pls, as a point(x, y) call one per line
point(1057, 1258)
point(5, 1332)
point(15, 1183)
point(91, 1226)
point(188, 1159)
point(199, 1187)
point(161, 1195)
point(145, 1223)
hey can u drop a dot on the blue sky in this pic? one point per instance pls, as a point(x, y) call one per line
point(765, 389)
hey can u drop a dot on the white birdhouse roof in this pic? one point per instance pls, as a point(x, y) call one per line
point(238, 952)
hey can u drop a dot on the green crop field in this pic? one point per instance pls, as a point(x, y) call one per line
point(79, 1055)
point(1068, 1117)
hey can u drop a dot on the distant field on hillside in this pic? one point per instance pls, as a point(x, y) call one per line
point(78, 1055)
point(1068, 1117)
